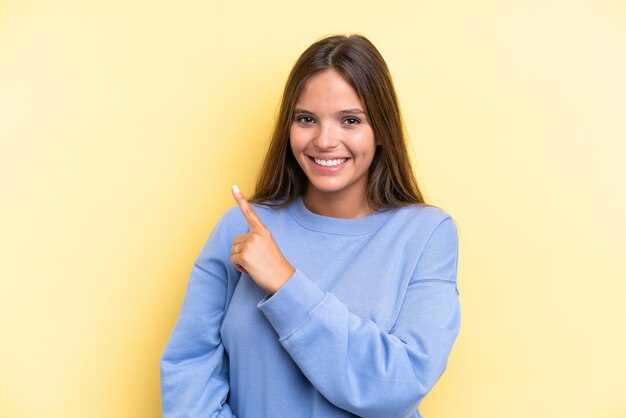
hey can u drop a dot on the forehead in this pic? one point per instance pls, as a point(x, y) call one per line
point(328, 88)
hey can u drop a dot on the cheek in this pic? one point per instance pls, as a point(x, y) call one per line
point(295, 141)
point(363, 143)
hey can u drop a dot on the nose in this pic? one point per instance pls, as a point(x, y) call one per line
point(326, 137)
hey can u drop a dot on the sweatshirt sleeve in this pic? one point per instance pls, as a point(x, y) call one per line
point(194, 365)
point(350, 360)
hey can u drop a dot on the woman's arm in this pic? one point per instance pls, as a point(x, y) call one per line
point(350, 360)
point(194, 365)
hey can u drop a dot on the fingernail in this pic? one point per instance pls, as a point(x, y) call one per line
point(235, 188)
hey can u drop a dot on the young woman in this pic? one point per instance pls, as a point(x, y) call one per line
point(332, 292)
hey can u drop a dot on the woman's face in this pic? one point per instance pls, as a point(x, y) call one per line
point(331, 137)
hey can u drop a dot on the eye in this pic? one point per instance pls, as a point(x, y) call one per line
point(352, 121)
point(304, 119)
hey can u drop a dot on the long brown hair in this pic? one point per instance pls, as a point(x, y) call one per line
point(391, 182)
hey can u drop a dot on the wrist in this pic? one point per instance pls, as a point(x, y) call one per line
point(283, 278)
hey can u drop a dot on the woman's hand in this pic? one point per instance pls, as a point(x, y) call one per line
point(256, 253)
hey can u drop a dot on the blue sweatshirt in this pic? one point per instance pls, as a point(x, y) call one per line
point(363, 327)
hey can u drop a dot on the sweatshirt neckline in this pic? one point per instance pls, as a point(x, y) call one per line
point(338, 226)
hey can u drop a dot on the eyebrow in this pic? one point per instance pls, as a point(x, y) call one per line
point(341, 112)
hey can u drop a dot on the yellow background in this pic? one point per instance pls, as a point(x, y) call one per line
point(124, 123)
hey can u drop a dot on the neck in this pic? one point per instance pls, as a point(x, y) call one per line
point(346, 207)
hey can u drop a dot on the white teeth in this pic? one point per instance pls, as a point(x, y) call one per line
point(330, 163)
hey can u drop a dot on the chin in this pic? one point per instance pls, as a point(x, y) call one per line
point(327, 188)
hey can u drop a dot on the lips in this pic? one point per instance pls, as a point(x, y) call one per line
point(329, 157)
point(327, 168)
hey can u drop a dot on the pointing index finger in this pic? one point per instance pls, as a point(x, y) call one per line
point(254, 222)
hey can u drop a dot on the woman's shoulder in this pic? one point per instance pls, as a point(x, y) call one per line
point(417, 224)
point(423, 213)
point(423, 220)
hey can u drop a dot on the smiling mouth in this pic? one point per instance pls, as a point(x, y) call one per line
point(329, 163)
